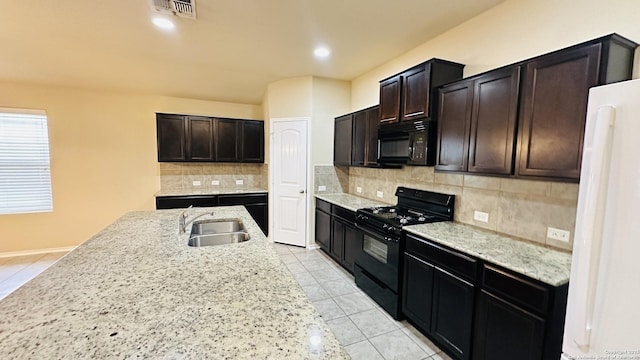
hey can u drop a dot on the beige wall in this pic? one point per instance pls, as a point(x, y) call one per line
point(330, 98)
point(103, 159)
point(512, 31)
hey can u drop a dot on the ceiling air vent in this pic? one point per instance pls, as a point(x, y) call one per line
point(183, 8)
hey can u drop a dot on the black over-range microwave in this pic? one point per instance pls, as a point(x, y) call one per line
point(411, 146)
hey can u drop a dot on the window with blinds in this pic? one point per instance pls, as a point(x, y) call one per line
point(25, 177)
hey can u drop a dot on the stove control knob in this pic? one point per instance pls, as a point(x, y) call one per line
point(385, 227)
point(422, 218)
point(391, 228)
point(403, 221)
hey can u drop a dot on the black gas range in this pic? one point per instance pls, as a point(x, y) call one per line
point(378, 267)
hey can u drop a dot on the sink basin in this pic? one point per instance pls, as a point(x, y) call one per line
point(217, 232)
point(217, 226)
point(218, 239)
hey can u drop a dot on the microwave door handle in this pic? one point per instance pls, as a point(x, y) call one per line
point(411, 151)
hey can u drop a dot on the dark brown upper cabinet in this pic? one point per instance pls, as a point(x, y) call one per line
point(493, 121)
point(207, 139)
point(528, 119)
point(228, 144)
point(409, 96)
point(454, 123)
point(554, 104)
point(252, 141)
point(356, 138)
point(200, 145)
point(342, 140)
point(171, 137)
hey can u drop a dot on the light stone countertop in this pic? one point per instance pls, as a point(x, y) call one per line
point(348, 201)
point(209, 191)
point(549, 266)
point(137, 290)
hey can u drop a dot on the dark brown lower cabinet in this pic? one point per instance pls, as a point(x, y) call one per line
point(323, 230)
point(336, 233)
point(418, 286)
point(504, 331)
point(452, 313)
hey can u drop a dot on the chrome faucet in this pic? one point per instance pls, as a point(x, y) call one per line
point(183, 223)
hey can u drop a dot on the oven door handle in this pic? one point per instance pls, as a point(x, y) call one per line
point(377, 235)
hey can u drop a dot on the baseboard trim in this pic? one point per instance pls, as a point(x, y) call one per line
point(36, 252)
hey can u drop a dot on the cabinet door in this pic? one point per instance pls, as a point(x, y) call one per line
point(373, 123)
point(171, 137)
point(260, 214)
point(505, 332)
point(493, 122)
point(415, 90)
point(352, 246)
point(323, 230)
point(359, 144)
point(200, 140)
point(342, 140)
point(454, 122)
point(452, 313)
point(390, 100)
point(553, 114)
point(252, 141)
point(417, 291)
point(227, 136)
point(337, 239)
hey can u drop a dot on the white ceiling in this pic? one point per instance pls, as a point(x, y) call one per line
point(230, 53)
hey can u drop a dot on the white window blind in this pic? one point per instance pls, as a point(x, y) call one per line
point(25, 178)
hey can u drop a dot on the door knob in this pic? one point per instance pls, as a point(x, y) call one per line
point(301, 191)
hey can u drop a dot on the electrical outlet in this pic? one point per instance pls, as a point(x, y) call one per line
point(481, 216)
point(240, 182)
point(215, 182)
point(358, 189)
point(558, 234)
point(322, 188)
point(379, 194)
point(196, 183)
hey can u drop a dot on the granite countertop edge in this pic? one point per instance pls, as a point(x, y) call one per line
point(349, 201)
point(552, 267)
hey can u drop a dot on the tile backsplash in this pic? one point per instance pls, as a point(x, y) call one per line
point(181, 176)
point(520, 208)
point(335, 179)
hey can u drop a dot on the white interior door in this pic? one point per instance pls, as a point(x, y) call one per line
point(289, 181)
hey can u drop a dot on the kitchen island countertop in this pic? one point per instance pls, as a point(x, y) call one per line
point(137, 290)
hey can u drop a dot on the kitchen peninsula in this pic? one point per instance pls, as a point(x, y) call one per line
point(137, 290)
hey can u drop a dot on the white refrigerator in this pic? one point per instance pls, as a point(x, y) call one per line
point(603, 309)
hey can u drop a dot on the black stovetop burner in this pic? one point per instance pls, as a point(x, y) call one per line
point(414, 207)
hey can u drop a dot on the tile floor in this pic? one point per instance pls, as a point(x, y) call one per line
point(365, 330)
point(16, 271)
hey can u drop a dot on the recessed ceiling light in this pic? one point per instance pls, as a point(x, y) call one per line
point(322, 52)
point(163, 23)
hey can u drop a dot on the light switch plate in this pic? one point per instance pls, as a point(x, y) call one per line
point(322, 188)
point(481, 216)
point(358, 189)
point(379, 194)
point(240, 182)
point(196, 183)
point(215, 182)
point(558, 234)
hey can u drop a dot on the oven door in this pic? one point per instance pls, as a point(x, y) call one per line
point(380, 257)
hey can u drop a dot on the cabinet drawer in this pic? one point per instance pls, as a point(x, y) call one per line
point(345, 214)
point(518, 289)
point(244, 199)
point(459, 264)
point(323, 205)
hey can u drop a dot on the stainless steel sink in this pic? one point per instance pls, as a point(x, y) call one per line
point(217, 232)
point(217, 226)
